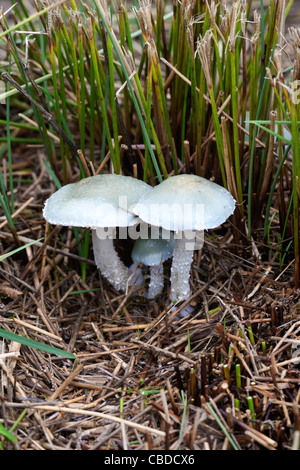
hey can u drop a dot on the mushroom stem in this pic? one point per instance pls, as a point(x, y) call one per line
point(110, 265)
point(156, 283)
point(181, 267)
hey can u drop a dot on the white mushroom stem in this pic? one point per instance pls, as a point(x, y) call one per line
point(110, 265)
point(156, 283)
point(181, 267)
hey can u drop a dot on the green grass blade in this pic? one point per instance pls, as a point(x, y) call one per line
point(222, 426)
point(35, 344)
point(5, 433)
point(11, 253)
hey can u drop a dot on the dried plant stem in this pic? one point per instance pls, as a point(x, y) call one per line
point(97, 414)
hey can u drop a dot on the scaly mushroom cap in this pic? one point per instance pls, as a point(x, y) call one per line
point(185, 202)
point(97, 201)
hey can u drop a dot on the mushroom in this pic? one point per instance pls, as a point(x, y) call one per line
point(102, 203)
point(186, 205)
point(153, 252)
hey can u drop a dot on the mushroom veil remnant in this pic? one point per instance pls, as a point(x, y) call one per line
point(102, 203)
point(186, 205)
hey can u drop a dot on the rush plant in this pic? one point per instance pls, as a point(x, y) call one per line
point(153, 89)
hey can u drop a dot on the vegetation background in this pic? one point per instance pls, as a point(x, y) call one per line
point(90, 87)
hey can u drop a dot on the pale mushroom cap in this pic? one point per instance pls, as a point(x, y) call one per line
point(97, 201)
point(185, 202)
point(152, 252)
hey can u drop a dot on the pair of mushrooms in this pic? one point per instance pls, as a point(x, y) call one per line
point(180, 209)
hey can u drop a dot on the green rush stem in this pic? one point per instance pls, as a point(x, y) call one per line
point(252, 98)
point(5, 202)
point(251, 161)
point(238, 375)
point(159, 19)
point(82, 109)
point(280, 103)
point(73, 5)
point(174, 36)
point(75, 66)
point(218, 134)
point(189, 341)
point(9, 153)
point(218, 60)
point(184, 113)
point(66, 39)
point(126, 42)
point(20, 125)
point(122, 13)
point(102, 102)
point(92, 116)
point(161, 97)
point(180, 61)
point(262, 32)
point(117, 166)
point(250, 333)
point(84, 252)
point(296, 187)
point(58, 112)
point(197, 109)
point(251, 408)
point(147, 162)
point(234, 101)
point(106, 93)
point(121, 406)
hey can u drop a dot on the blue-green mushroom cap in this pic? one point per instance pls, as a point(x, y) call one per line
point(152, 252)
